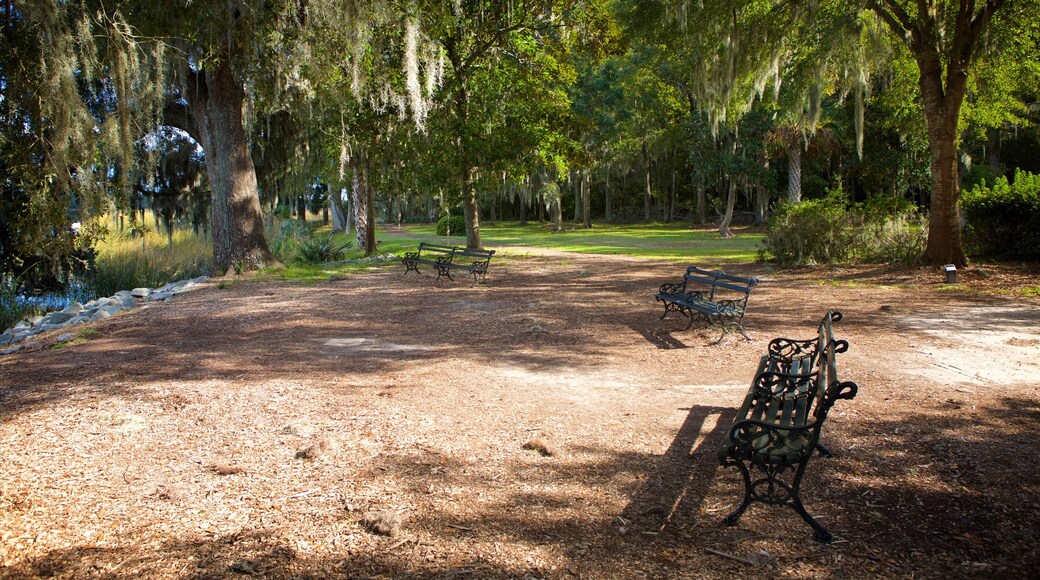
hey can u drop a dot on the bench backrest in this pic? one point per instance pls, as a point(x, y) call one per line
point(789, 388)
point(477, 255)
point(440, 248)
point(828, 387)
point(700, 277)
point(734, 285)
point(721, 281)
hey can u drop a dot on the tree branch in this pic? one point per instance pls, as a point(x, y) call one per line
point(899, 21)
point(981, 20)
point(178, 115)
point(482, 49)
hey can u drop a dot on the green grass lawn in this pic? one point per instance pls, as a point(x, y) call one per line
point(676, 242)
point(658, 241)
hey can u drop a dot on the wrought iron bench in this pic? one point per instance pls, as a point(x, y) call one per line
point(777, 428)
point(715, 297)
point(429, 254)
point(474, 262)
point(446, 259)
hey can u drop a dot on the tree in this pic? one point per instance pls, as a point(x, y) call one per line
point(77, 89)
point(944, 38)
point(739, 46)
point(494, 51)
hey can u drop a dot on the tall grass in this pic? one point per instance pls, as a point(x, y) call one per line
point(147, 258)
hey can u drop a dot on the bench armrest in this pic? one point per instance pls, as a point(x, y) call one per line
point(843, 390)
point(788, 349)
point(750, 438)
point(732, 307)
point(673, 288)
point(770, 384)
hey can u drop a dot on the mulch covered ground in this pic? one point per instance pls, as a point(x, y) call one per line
point(545, 424)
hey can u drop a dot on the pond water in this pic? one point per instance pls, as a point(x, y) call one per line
point(46, 302)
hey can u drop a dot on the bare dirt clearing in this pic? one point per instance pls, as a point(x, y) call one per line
point(375, 427)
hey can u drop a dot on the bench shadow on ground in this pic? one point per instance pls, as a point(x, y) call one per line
point(660, 338)
point(678, 483)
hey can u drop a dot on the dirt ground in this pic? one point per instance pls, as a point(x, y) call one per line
point(545, 424)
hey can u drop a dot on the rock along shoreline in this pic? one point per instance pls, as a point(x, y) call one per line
point(19, 336)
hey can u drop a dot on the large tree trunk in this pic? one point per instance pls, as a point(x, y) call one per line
point(339, 220)
point(944, 223)
point(701, 203)
point(731, 202)
point(794, 173)
point(370, 206)
point(646, 190)
point(942, 111)
point(586, 200)
point(236, 221)
point(576, 193)
point(470, 209)
point(525, 194)
point(607, 216)
point(359, 199)
point(557, 214)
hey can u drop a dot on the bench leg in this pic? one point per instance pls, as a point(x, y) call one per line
point(820, 533)
point(729, 327)
point(744, 333)
point(671, 307)
point(824, 452)
point(734, 516)
point(773, 490)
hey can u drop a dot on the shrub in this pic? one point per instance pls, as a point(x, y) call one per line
point(829, 230)
point(451, 225)
point(11, 310)
point(899, 238)
point(1003, 221)
point(285, 238)
point(319, 250)
point(813, 231)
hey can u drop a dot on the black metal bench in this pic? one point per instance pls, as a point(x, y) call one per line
point(777, 428)
point(448, 259)
point(715, 297)
point(474, 262)
point(429, 254)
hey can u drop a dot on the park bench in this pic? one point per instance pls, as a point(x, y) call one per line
point(474, 262)
point(777, 428)
point(448, 259)
point(715, 297)
point(429, 254)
